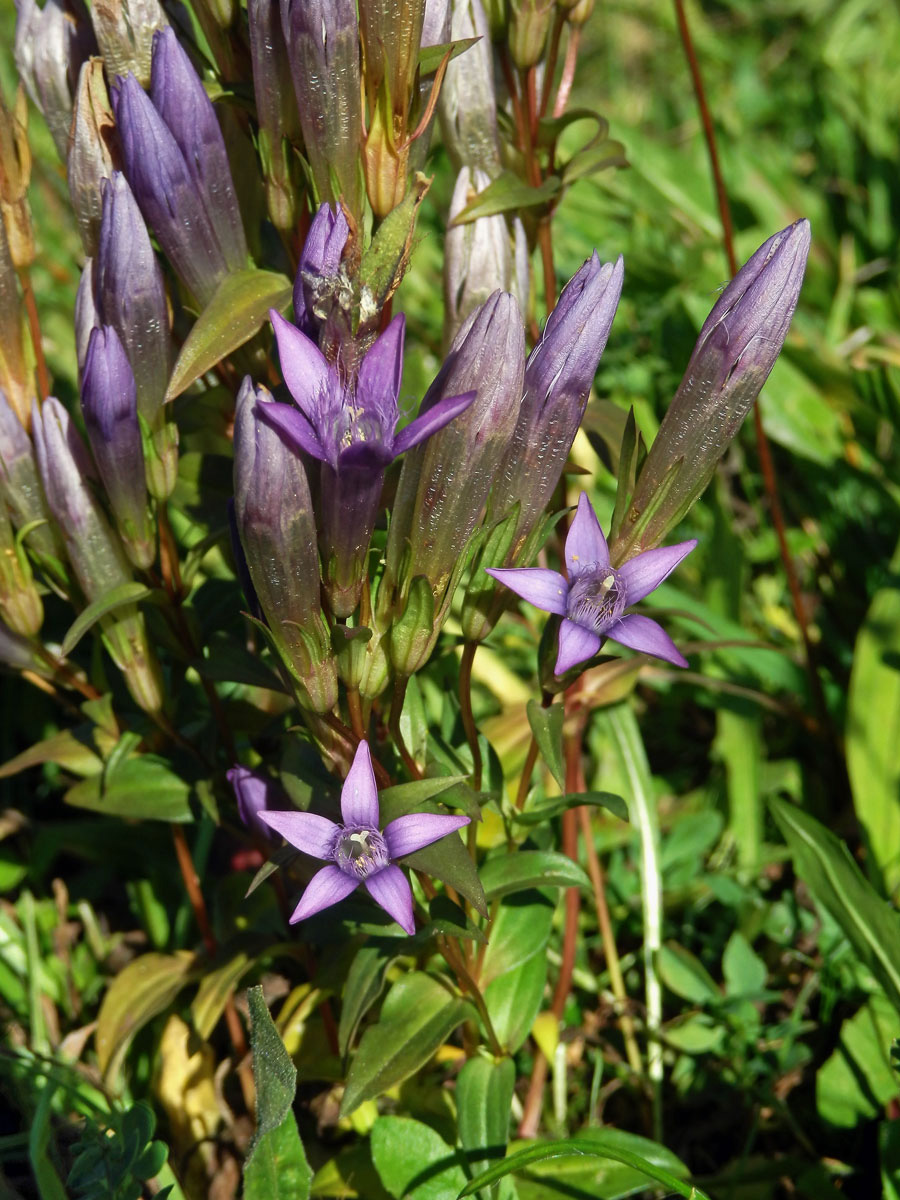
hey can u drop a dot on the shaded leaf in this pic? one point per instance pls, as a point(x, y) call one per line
point(484, 1092)
point(514, 1000)
point(273, 1071)
point(632, 1151)
point(63, 748)
point(126, 593)
point(141, 990)
point(418, 1016)
point(547, 725)
point(528, 869)
point(836, 882)
point(365, 980)
point(212, 995)
point(560, 804)
point(237, 311)
point(278, 1168)
point(141, 788)
point(431, 57)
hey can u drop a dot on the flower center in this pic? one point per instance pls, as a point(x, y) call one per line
point(596, 598)
point(354, 424)
point(361, 852)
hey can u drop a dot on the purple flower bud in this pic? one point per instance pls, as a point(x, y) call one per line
point(255, 794)
point(477, 256)
point(22, 494)
point(273, 513)
point(94, 551)
point(358, 850)
point(436, 23)
point(276, 111)
point(317, 273)
point(467, 105)
point(558, 378)
point(86, 315)
point(125, 30)
point(17, 652)
point(166, 191)
point(91, 149)
point(181, 100)
point(322, 37)
point(736, 350)
point(131, 296)
point(444, 484)
point(109, 404)
point(51, 44)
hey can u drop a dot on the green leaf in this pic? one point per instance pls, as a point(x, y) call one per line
point(447, 859)
point(521, 930)
point(406, 797)
point(560, 804)
point(64, 748)
point(836, 882)
point(745, 972)
point(140, 991)
point(685, 975)
point(515, 999)
point(414, 1162)
point(237, 311)
point(448, 918)
point(365, 980)
point(530, 868)
point(418, 1016)
point(126, 593)
point(547, 725)
point(857, 1080)
point(141, 788)
point(632, 1151)
point(431, 57)
point(278, 1168)
point(873, 729)
point(484, 1092)
point(507, 193)
point(273, 1071)
point(213, 992)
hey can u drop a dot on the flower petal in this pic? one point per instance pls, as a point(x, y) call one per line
point(378, 384)
point(410, 833)
point(307, 831)
point(372, 455)
point(427, 423)
point(540, 586)
point(359, 795)
point(305, 369)
point(390, 888)
point(293, 427)
point(576, 645)
point(640, 633)
point(646, 571)
point(326, 887)
point(585, 544)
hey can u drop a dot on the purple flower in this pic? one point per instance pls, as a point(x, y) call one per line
point(592, 601)
point(358, 851)
point(351, 424)
point(320, 260)
point(253, 793)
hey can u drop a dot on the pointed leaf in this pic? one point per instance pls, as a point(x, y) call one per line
point(365, 980)
point(836, 882)
point(507, 193)
point(141, 788)
point(413, 1161)
point(63, 748)
point(484, 1092)
point(127, 593)
point(274, 1073)
point(140, 991)
point(278, 1168)
point(418, 1016)
point(528, 869)
point(237, 311)
point(547, 725)
point(560, 804)
point(214, 991)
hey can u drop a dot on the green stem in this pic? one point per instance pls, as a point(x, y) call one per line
point(626, 735)
point(465, 704)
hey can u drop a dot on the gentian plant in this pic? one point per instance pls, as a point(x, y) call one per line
point(340, 400)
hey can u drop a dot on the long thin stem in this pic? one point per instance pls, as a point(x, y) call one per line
point(527, 768)
point(626, 735)
point(400, 685)
point(34, 326)
point(465, 706)
point(767, 466)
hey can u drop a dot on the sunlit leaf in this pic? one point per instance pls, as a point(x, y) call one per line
point(141, 990)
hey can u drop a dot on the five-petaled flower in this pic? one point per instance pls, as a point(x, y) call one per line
point(358, 851)
point(350, 423)
point(592, 601)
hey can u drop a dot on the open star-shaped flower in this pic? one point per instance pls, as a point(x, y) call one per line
point(358, 851)
point(593, 600)
point(351, 423)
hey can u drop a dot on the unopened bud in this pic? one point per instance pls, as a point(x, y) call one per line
point(736, 350)
point(275, 523)
point(478, 257)
point(22, 494)
point(467, 105)
point(125, 30)
point(93, 152)
point(276, 112)
point(322, 37)
point(528, 28)
point(15, 174)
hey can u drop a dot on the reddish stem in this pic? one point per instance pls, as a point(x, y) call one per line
point(34, 325)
